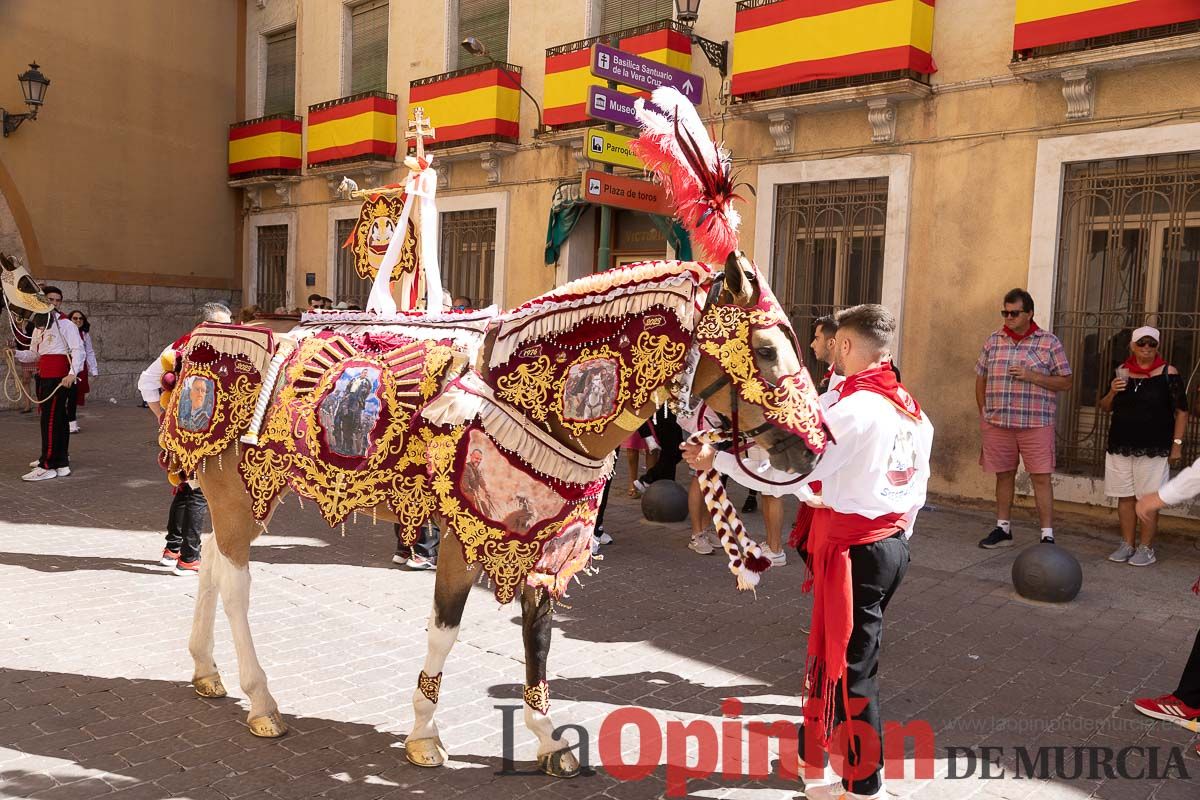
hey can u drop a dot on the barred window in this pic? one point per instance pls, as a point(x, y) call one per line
point(369, 47)
point(487, 21)
point(1129, 255)
point(271, 269)
point(617, 15)
point(279, 85)
point(350, 287)
point(468, 254)
point(829, 241)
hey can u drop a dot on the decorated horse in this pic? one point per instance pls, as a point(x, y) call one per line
point(501, 427)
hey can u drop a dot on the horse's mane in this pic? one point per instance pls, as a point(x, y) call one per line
point(614, 294)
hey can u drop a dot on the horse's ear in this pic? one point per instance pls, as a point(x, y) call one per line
point(737, 278)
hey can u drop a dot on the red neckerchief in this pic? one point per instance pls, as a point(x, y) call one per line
point(882, 381)
point(1134, 368)
point(1020, 337)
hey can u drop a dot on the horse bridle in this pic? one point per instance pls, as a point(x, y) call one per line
point(721, 381)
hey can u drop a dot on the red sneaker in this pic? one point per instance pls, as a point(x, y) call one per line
point(169, 557)
point(1170, 708)
point(187, 567)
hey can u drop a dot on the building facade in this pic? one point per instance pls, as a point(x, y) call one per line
point(109, 192)
point(926, 155)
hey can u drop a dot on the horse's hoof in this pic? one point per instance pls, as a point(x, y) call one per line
point(268, 726)
point(425, 752)
point(209, 686)
point(559, 764)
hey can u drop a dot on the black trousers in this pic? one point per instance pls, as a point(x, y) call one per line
point(1189, 681)
point(55, 436)
point(187, 519)
point(876, 570)
point(72, 401)
point(670, 436)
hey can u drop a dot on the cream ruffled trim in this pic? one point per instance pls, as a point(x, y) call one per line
point(471, 398)
point(465, 330)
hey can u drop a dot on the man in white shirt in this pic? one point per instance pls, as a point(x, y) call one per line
point(874, 475)
point(57, 349)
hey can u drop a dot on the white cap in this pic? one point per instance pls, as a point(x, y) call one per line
point(1146, 330)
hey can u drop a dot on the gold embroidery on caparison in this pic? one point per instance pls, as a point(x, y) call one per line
point(234, 403)
point(528, 386)
point(655, 360)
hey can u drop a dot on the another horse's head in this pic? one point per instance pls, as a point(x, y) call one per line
point(751, 369)
point(22, 294)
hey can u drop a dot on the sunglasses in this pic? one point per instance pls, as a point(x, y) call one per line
point(77, 319)
point(1146, 343)
point(1010, 314)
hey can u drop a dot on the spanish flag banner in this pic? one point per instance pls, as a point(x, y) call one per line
point(270, 143)
point(789, 42)
point(568, 75)
point(1048, 22)
point(352, 127)
point(481, 104)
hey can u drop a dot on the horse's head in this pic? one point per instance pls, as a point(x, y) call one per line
point(22, 295)
point(751, 369)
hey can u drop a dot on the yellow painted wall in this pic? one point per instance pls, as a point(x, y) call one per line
point(973, 145)
point(122, 175)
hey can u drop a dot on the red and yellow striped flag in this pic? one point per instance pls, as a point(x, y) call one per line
point(352, 127)
point(478, 104)
point(568, 75)
point(797, 41)
point(270, 143)
point(1046, 22)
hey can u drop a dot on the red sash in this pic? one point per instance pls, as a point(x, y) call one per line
point(832, 536)
point(53, 366)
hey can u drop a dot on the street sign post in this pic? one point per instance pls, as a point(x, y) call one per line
point(606, 189)
point(617, 65)
point(609, 147)
point(608, 105)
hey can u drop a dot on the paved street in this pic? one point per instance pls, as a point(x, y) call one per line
point(94, 694)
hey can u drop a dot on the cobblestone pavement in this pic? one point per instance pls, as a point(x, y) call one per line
point(94, 694)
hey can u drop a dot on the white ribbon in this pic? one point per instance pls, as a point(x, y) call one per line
point(419, 183)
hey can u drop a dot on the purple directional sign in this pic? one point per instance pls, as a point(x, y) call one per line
point(609, 105)
point(617, 65)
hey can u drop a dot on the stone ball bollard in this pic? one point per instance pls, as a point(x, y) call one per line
point(665, 501)
point(1048, 573)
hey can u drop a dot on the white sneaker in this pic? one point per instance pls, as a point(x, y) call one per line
point(778, 557)
point(39, 474)
point(73, 427)
point(35, 463)
point(604, 538)
point(62, 472)
point(700, 544)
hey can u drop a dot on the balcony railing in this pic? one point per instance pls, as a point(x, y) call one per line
point(568, 72)
point(873, 43)
point(265, 147)
point(470, 105)
point(361, 127)
point(1109, 40)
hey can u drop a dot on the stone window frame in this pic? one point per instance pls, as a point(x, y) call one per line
point(896, 168)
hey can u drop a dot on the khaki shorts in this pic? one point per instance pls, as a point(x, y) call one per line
point(1134, 476)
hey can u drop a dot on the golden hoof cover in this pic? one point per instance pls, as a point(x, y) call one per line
point(268, 726)
point(425, 752)
point(559, 764)
point(209, 686)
